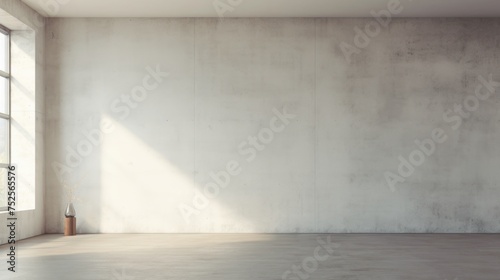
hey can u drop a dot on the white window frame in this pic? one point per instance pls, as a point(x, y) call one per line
point(7, 117)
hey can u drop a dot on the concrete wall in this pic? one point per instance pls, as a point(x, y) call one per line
point(27, 117)
point(142, 152)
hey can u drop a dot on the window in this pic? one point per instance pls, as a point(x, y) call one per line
point(4, 113)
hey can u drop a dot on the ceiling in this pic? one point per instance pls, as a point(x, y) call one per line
point(262, 8)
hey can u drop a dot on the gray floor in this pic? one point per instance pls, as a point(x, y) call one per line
point(257, 256)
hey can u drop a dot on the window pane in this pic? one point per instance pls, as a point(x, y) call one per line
point(4, 52)
point(4, 95)
point(4, 141)
point(3, 187)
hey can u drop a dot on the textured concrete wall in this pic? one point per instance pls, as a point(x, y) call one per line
point(28, 116)
point(273, 125)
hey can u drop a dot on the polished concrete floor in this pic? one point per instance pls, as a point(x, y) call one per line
point(256, 256)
